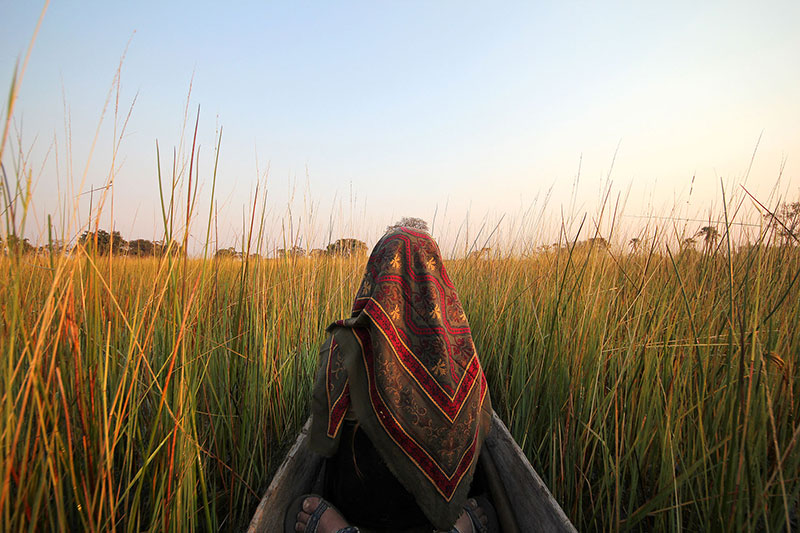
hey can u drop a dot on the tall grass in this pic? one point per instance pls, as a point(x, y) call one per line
point(651, 392)
point(155, 398)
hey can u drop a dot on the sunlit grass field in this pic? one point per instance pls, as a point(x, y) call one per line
point(652, 391)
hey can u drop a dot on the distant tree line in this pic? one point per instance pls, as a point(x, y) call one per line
point(783, 225)
point(783, 229)
point(103, 243)
point(15, 245)
point(100, 242)
point(339, 248)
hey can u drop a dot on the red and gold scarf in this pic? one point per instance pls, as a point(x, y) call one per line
point(406, 365)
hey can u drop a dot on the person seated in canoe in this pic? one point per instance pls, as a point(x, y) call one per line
point(400, 404)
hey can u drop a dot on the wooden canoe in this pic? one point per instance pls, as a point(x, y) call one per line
point(522, 500)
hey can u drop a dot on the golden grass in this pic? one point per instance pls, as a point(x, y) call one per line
point(153, 394)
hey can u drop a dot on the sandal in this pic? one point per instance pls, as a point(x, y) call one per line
point(297, 505)
point(488, 509)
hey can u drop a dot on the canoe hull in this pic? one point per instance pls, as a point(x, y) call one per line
point(528, 498)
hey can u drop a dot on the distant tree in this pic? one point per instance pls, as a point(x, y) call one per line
point(294, 251)
point(15, 245)
point(347, 247)
point(103, 242)
point(317, 252)
point(592, 244)
point(161, 248)
point(598, 241)
point(223, 253)
point(53, 247)
point(409, 222)
point(709, 235)
point(141, 248)
point(785, 222)
point(635, 244)
point(688, 243)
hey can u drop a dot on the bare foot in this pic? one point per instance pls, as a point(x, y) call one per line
point(464, 523)
point(330, 522)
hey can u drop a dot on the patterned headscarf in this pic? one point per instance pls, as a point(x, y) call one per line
point(405, 363)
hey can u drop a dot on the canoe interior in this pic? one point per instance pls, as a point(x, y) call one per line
point(530, 502)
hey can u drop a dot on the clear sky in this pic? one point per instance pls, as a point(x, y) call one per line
point(381, 109)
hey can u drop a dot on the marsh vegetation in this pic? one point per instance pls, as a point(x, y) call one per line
point(652, 390)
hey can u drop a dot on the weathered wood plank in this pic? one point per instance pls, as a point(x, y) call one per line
point(294, 477)
point(534, 506)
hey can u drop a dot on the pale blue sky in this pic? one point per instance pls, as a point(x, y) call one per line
point(410, 106)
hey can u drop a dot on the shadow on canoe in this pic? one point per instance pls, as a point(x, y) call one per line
point(522, 500)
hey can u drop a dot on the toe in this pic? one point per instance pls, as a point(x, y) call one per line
point(310, 503)
point(478, 512)
point(330, 520)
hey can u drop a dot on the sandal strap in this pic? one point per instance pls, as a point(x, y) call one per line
point(476, 524)
point(311, 526)
point(313, 521)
